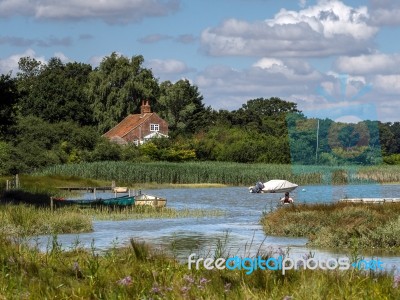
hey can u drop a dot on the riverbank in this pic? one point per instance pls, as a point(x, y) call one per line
point(338, 225)
point(138, 272)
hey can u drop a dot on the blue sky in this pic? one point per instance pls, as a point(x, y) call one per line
point(336, 59)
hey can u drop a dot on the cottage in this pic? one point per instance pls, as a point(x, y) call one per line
point(138, 128)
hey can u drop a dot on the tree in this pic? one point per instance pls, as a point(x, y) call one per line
point(117, 88)
point(55, 92)
point(9, 97)
point(269, 107)
point(182, 107)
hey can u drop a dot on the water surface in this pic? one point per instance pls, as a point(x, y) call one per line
point(238, 231)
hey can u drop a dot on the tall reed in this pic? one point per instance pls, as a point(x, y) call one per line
point(223, 172)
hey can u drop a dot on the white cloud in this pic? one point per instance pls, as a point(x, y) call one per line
point(388, 84)
point(385, 12)
point(268, 63)
point(226, 88)
point(168, 66)
point(96, 60)
point(348, 119)
point(62, 57)
point(111, 11)
point(369, 64)
point(154, 38)
point(10, 64)
point(327, 28)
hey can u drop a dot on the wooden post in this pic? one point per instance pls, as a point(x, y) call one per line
point(94, 193)
point(113, 184)
point(7, 185)
point(16, 181)
point(51, 204)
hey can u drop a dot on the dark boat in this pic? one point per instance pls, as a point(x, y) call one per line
point(118, 201)
point(115, 201)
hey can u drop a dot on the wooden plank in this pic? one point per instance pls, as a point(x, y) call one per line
point(371, 200)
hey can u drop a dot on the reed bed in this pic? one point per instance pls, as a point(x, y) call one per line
point(139, 272)
point(339, 225)
point(236, 174)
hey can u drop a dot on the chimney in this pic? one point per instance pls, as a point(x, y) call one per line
point(145, 108)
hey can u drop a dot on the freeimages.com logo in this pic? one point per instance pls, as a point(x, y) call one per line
point(281, 263)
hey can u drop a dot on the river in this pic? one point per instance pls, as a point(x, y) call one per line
point(237, 231)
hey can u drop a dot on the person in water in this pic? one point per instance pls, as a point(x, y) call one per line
point(287, 199)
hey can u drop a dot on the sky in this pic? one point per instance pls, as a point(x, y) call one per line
point(335, 59)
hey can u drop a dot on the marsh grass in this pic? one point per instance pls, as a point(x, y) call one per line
point(147, 212)
point(156, 173)
point(225, 173)
point(343, 225)
point(49, 183)
point(26, 220)
point(139, 272)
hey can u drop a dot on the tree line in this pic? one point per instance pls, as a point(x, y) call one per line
point(56, 113)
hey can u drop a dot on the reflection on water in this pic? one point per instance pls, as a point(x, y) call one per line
point(238, 231)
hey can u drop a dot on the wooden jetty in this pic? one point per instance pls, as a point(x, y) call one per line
point(371, 200)
point(87, 188)
point(91, 189)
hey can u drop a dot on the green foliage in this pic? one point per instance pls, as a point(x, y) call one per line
point(314, 141)
point(160, 150)
point(106, 150)
point(117, 88)
point(393, 159)
point(180, 104)
point(9, 96)
point(5, 158)
point(271, 108)
point(39, 143)
point(389, 134)
point(55, 92)
point(238, 144)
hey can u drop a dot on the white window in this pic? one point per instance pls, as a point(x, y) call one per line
point(154, 127)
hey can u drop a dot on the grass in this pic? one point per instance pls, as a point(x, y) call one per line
point(338, 225)
point(26, 220)
point(147, 212)
point(224, 173)
point(44, 183)
point(139, 272)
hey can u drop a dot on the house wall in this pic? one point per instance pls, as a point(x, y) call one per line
point(144, 129)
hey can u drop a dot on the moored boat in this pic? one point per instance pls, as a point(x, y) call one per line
point(115, 201)
point(118, 201)
point(273, 186)
point(154, 201)
point(120, 189)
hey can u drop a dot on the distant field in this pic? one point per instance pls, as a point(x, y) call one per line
point(129, 173)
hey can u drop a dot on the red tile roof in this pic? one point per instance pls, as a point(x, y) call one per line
point(127, 125)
